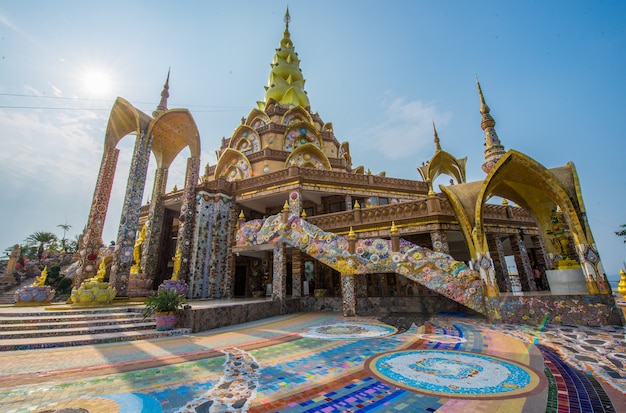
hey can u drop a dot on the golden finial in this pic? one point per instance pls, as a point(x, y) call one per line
point(287, 18)
point(394, 229)
point(162, 106)
point(483, 105)
point(437, 145)
point(286, 206)
point(351, 234)
point(505, 201)
point(303, 214)
point(175, 188)
point(242, 215)
point(356, 205)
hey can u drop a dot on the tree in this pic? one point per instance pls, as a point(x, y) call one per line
point(43, 239)
point(622, 232)
point(66, 227)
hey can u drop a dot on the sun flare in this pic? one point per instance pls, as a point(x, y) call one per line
point(97, 83)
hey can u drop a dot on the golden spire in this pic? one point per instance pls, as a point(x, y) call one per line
point(286, 206)
point(493, 148)
point(242, 215)
point(394, 229)
point(351, 234)
point(162, 106)
point(286, 83)
point(437, 145)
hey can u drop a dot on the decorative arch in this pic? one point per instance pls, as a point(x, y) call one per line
point(301, 134)
point(308, 155)
point(443, 163)
point(233, 166)
point(295, 115)
point(526, 182)
point(257, 119)
point(246, 140)
point(172, 131)
point(124, 119)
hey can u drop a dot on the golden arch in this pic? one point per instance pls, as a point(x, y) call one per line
point(443, 163)
point(245, 134)
point(257, 118)
point(301, 134)
point(307, 155)
point(172, 131)
point(233, 165)
point(124, 119)
point(296, 114)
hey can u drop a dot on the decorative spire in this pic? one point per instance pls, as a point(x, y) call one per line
point(437, 145)
point(493, 148)
point(162, 107)
point(286, 83)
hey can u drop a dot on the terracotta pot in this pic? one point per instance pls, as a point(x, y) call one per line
point(165, 321)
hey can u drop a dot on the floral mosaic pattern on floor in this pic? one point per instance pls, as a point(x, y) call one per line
point(350, 331)
point(454, 373)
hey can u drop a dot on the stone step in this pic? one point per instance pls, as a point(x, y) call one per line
point(99, 338)
point(55, 310)
point(50, 318)
point(17, 324)
point(75, 331)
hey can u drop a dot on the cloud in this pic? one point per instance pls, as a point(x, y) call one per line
point(404, 128)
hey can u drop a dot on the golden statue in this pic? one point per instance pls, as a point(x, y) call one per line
point(176, 260)
point(559, 239)
point(137, 249)
point(41, 280)
point(102, 270)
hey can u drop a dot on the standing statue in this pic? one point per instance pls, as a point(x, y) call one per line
point(13, 258)
point(137, 249)
point(41, 280)
point(176, 260)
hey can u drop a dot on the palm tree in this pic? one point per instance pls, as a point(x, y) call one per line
point(66, 227)
point(43, 238)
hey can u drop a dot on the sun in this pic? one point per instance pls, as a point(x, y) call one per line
point(97, 82)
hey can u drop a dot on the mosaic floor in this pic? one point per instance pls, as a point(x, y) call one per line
point(321, 362)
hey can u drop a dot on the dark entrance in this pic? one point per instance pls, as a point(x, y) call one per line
point(240, 281)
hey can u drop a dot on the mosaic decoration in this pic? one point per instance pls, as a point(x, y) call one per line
point(211, 236)
point(129, 221)
point(279, 279)
point(236, 388)
point(454, 373)
point(348, 290)
point(441, 338)
point(349, 331)
point(156, 216)
point(92, 238)
point(436, 271)
point(247, 141)
point(298, 136)
point(260, 121)
point(440, 242)
point(592, 266)
point(186, 217)
point(296, 116)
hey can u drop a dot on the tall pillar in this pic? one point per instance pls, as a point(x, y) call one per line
point(129, 221)
point(295, 202)
point(348, 295)
point(439, 241)
point(593, 269)
point(156, 217)
point(542, 257)
point(497, 255)
point(92, 237)
point(297, 269)
point(523, 263)
point(279, 283)
point(186, 218)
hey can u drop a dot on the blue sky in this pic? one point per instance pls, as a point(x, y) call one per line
point(553, 74)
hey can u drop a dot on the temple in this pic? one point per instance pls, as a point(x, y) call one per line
point(285, 213)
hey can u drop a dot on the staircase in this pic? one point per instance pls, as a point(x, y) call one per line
point(25, 328)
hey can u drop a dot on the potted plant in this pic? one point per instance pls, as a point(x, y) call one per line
point(163, 306)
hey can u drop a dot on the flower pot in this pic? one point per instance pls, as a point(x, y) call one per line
point(165, 321)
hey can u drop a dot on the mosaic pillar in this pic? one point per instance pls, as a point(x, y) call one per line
point(439, 241)
point(484, 265)
point(497, 255)
point(279, 283)
point(297, 269)
point(186, 218)
point(230, 257)
point(542, 257)
point(154, 229)
point(593, 269)
point(523, 263)
point(129, 221)
point(295, 202)
point(92, 237)
point(348, 295)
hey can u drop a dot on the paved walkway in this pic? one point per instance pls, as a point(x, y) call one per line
point(322, 362)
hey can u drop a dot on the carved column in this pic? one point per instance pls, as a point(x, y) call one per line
point(92, 237)
point(497, 255)
point(156, 216)
point(297, 268)
point(129, 221)
point(348, 295)
point(186, 217)
point(279, 282)
point(439, 241)
point(523, 263)
point(593, 269)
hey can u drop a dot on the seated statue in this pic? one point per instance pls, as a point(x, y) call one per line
point(41, 280)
